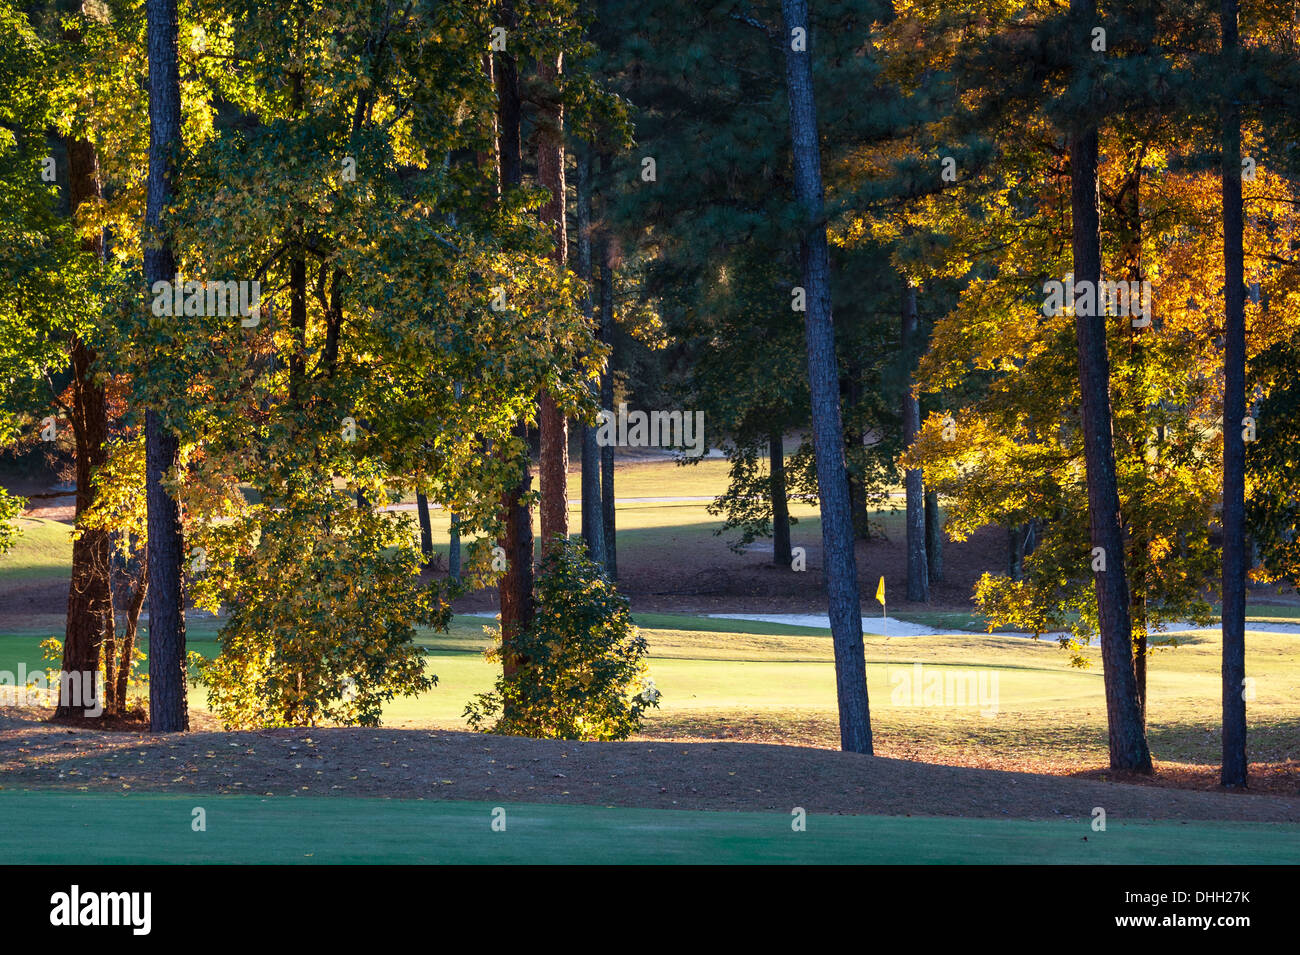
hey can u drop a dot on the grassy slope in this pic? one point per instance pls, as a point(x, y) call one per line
point(148, 828)
point(43, 552)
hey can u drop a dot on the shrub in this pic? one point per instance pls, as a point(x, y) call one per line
point(10, 508)
point(580, 668)
point(324, 599)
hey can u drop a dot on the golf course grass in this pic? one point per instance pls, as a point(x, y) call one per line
point(154, 828)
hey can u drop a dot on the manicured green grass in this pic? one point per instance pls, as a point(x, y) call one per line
point(43, 551)
point(689, 623)
point(63, 829)
point(16, 648)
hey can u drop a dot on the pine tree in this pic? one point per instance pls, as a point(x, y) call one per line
point(593, 521)
point(1128, 746)
point(168, 711)
point(516, 585)
point(1234, 413)
point(554, 427)
point(823, 376)
point(918, 568)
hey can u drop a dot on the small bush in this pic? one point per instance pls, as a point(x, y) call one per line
point(10, 508)
point(580, 667)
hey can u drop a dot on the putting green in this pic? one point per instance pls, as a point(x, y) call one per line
point(63, 828)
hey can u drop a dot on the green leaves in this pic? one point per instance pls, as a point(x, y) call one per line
point(1273, 461)
point(324, 599)
point(579, 670)
point(10, 508)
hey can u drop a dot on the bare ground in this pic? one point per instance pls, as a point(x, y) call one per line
point(666, 774)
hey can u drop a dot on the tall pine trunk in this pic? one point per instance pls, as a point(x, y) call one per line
point(516, 586)
point(918, 569)
point(593, 526)
point(853, 438)
point(823, 378)
point(1234, 410)
point(607, 401)
point(1127, 736)
point(167, 705)
point(1139, 550)
point(781, 553)
point(554, 465)
point(90, 625)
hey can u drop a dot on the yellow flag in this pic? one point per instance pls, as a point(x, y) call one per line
point(880, 591)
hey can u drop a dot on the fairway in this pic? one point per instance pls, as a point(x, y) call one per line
point(150, 828)
point(773, 682)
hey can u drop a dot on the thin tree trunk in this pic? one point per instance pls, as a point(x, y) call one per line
point(607, 402)
point(933, 537)
point(593, 528)
point(593, 518)
point(167, 704)
point(490, 159)
point(782, 556)
point(823, 378)
point(1130, 230)
point(297, 327)
point(298, 275)
point(1235, 767)
point(1015, 551)
point(426, 525)
point(516, 587)
point(453, 549)
point(554, 466)
point(1140, 653)
point(90, 626)
point(1128, 743)
point(123, 675)
point(918, 569)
